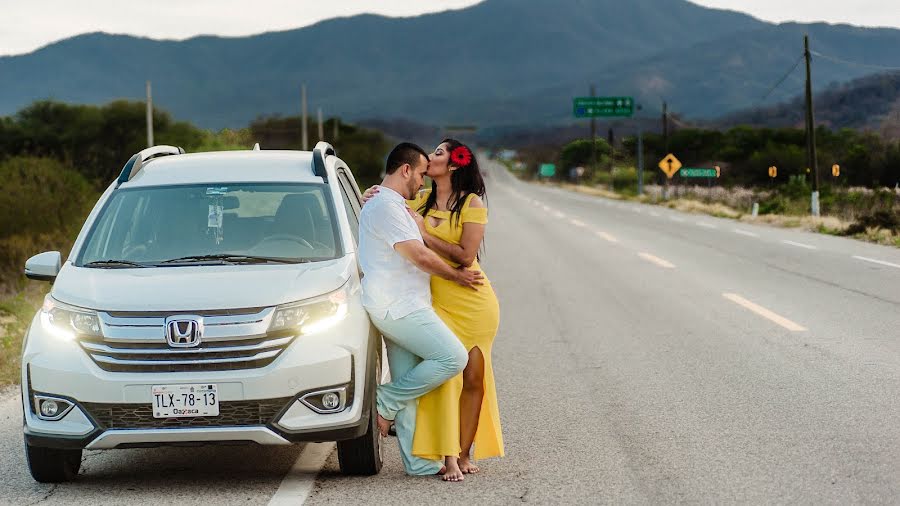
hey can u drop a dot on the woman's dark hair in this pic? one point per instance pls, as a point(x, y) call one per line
point(466, 180)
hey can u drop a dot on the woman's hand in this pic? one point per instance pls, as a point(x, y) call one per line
point(420, 221)
point(371, 192)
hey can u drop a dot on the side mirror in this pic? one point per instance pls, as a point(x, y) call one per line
point(43, 267)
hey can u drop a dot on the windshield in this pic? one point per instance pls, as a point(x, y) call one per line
point(174, 224)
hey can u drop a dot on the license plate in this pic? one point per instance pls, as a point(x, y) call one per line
point(179, 401)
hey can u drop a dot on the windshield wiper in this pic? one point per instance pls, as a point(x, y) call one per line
point(112, 264)
point(237, 259)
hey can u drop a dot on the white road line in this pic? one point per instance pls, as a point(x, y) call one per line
point(559, 214)
point(654, 214)
point(300, 480)
point(799, 244)
point(705, 225)
point(637, 210)
point(874, 261)
point(765, 313)
point(744, 232)
point(656, 260)
point(577, 223)
point(676, 218)
point(605, 236)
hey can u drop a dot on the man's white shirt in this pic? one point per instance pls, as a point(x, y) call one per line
point(392, 285)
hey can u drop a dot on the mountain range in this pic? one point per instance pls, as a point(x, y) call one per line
point(499, 62)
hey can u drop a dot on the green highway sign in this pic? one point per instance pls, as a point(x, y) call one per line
point(595, 107)
point(548, 170)
point(697, 172)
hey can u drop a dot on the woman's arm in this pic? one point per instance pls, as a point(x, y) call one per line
point(466, 251)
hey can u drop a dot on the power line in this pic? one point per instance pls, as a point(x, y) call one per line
point(786, 75)
point(856, 64)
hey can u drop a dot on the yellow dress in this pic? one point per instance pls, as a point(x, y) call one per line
point(474, 317)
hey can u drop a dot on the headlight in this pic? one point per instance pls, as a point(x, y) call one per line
point(313, 315)
point(69, 322)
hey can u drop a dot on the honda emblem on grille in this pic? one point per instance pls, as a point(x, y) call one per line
point(184, 332)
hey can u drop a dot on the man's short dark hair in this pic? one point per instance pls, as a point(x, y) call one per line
point(405, 152)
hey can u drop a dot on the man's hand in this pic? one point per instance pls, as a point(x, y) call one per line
point(371, 192)
point(469, 279)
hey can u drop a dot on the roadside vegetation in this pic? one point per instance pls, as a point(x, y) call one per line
point(56, 159)
point(863, 201)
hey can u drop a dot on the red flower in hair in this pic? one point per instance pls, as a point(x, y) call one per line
point(461, 156)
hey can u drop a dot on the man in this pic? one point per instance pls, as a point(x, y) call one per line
point(422, 352)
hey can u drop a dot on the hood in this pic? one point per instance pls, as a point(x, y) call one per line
point(195, 288)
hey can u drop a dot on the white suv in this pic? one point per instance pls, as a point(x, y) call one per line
point(209, 298)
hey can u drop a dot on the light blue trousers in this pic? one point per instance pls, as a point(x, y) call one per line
point(422, 354)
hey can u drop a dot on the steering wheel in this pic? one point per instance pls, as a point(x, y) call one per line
point(289, 237)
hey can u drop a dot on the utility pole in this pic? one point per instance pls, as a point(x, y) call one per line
point(149, 116)
point(811, 161)
point(640, 156)
point(665, 125)
point(337, 122)
point(321, 126)
point(666, 144)
point(305, 134)
point(593, 137)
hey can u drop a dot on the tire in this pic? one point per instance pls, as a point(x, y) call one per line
point(51, 465)
point(362, 456)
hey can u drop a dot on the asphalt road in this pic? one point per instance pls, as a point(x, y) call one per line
point(644, 356)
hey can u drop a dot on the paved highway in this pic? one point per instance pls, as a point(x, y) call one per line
point(645, 356)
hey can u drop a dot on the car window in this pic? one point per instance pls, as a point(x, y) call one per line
point(350, 204)
point(159, 224)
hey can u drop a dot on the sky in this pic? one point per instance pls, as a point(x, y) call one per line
point(26, 25)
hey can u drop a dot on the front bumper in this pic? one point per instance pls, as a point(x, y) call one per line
point(100, 397)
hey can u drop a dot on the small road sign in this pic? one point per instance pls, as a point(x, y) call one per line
point(773, 172)
point(835, 170)
point(718, 171)
point(595, 107)
point(698, 172)
point(548, 170)
point(669, 165)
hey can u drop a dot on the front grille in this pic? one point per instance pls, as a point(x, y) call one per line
point(231, 414)
point(136, 342)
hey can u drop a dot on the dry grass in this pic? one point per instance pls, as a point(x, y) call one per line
point(824, 224)
point(15, 316)
point(697, 207)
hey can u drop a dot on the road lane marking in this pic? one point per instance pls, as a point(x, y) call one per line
point(765, 313)
point(604, 235)
point(744, 232)
point(705, 225)
point(874, 261)
point(637, 210)
point(577, 223)
point(300, 480)
point(676, 218)
point(656, 260)
point(559, 214)
point(654, 214)
point(799, 244)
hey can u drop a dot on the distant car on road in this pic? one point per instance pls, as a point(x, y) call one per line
point(209, 298)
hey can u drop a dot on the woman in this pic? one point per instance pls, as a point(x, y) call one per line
point(452, 218)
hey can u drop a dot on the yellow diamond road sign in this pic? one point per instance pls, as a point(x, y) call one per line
point(670, 165)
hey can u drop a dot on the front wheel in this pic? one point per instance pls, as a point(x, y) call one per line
point(51, 465)
point(362, 456)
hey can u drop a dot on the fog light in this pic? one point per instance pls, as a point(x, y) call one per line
point(49, 408)
point(331, 400)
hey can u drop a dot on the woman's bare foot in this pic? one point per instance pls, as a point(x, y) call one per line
point(467, 466)
point(384, 425)
point(453, 473)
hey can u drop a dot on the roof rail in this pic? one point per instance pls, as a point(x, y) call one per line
point(137, 162)
point(320, 152)
point(256, 147)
